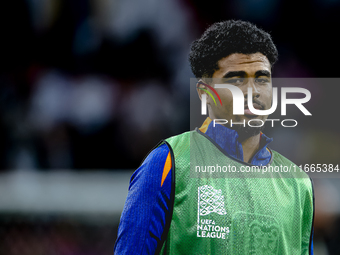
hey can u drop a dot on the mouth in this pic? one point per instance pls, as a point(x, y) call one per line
point(247, 112)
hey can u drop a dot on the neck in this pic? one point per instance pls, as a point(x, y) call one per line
point(250, 146)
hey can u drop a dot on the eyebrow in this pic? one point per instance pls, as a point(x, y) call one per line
point(262, 73)
point(243, 74)
point(234, 74)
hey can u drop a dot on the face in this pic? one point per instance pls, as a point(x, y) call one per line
point(242, 71)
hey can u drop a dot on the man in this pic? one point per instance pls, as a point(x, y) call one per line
point(170, 211)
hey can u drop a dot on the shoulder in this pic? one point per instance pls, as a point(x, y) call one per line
point(179, 145)
point(280, 159)
point(291, 169)
point(179, 139)
point(153, 165)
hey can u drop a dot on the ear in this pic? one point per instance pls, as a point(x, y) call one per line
point(200, 85)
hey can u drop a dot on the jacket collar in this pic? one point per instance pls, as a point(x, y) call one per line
point(227, 139)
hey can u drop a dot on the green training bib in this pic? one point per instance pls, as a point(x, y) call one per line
point(235, 215)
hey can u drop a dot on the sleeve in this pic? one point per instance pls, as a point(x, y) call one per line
point(312, 230)
point(311, 245)
point(147, 207)
point(308, 219)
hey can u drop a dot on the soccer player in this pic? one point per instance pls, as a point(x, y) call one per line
point(168, 211)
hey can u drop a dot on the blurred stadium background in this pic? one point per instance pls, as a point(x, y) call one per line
point(89, 87)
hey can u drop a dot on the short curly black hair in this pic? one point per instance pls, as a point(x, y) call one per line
point(224, 38)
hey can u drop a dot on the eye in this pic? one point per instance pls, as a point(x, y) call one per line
point(262, 80)
point(236, 81)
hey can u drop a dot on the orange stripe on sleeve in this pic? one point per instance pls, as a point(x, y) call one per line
point(166, 169)
point(205, 125)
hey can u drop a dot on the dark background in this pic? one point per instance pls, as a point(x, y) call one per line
point(93, 85)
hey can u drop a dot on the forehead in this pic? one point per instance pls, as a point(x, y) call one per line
point(242, 62)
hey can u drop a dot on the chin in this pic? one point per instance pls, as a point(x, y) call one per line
point(248, 131)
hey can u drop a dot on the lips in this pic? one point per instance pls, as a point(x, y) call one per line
point(248, 112)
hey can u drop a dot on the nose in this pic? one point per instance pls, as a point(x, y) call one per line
point(255, 90)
